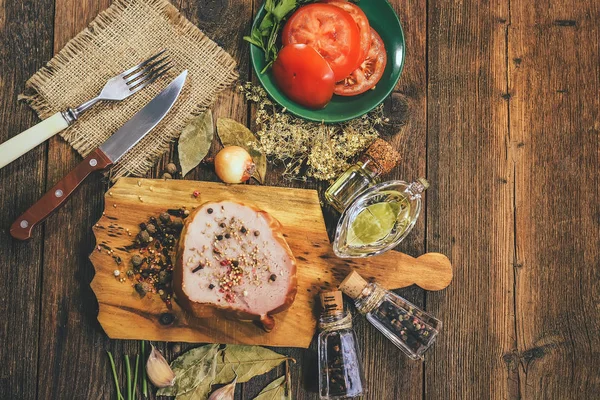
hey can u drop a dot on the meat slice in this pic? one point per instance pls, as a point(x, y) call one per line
point(232, 259)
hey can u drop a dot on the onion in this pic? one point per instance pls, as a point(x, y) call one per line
point(233, 164)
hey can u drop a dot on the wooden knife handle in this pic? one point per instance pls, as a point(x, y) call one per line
point(56, 197)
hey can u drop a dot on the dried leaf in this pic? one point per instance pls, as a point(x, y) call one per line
point(233, 133)
point(200, 392)
point(224, 393)
point(194, 371)
point(195, 141)
point(276, 390)
point(246, 362)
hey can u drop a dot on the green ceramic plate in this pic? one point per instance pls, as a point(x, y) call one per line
point(384, 20)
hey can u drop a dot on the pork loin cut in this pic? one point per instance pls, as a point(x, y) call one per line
point(232, 259)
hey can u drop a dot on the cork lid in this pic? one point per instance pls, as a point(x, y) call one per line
point(332, 301)
point(353, 285)
point(383, 154)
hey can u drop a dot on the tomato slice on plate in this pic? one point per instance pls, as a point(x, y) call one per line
point(304, 76)
point(329, 30)
point(361, 20)
point(368, 73)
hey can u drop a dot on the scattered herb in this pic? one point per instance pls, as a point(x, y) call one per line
point(144, 379)
point(276, 390)
point(131, 380)
point(310, 149)
point(233, 133)
point(195, 141)
point(199, 368)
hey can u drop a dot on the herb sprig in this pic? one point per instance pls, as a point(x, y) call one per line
point(265, 34)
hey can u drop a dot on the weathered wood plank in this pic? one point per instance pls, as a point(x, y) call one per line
point(70, 336)
point(470, 207)
point(555, 147)
point(25, 44)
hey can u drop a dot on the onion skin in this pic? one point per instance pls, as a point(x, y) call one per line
point(233, 164)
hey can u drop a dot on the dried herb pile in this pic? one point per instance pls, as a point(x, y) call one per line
point(310, 149)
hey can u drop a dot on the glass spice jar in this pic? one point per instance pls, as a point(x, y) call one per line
point(340, 371)
point(377, 160)
point(411, 329)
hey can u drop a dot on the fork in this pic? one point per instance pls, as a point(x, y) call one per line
point(117, 88)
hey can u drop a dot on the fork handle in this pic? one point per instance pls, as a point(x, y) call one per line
point(27, 140)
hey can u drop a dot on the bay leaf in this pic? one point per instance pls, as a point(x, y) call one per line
point(246, 362)
point(233, 133)
point(200, 392)
point(276, 390)
point(195, 141)
point(191, 369)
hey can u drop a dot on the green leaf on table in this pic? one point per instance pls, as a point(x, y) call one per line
point(195, 141)
point(276, 390)
point(246, 362)
point(194, 370)
point(284, 8)
point(233, 133)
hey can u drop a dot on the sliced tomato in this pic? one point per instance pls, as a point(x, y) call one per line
point(304, 76)
point(368, 73)
point(361, 20)
point(329, 30)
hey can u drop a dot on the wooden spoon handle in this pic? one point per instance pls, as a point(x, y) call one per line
point(58, 195)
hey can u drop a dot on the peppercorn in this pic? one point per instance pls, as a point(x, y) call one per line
point(210, 211)
point(151, 229)
point(136, 261)
point(227, 236)
point(219, 237)
point(142, 226)
point(256, 233)
point(140, 289)
point(211, 286)
point(165, 217)
point(171, 168)
point(166, 176)
point(222, 225)
point(143, 237)
point(273, 277)
point(236, 263)
point(177, 224)
point(243, 230)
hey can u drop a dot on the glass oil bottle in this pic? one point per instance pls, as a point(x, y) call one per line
point(340, 371)
point(411, 329)
point(379, 159)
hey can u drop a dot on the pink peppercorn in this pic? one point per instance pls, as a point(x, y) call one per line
point(196, 193)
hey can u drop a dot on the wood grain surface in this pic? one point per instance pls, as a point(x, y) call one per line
point(497, 106)
point(124, 315)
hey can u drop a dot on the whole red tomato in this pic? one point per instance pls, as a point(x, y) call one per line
point(304, 76)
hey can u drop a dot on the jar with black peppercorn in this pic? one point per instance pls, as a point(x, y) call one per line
point(411, 329)
point(340, 371)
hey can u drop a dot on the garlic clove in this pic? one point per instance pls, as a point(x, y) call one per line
point(224, 393)
point(158, 370)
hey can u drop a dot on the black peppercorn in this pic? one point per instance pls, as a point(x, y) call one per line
point(211, 286)
point(219, 237)
point(243, 230)
point(235, 263)
point(227, 236)
point(177, 224)
point(256, 233)
point(273, 277)
point(143, 237)
point(165, 217)
point(166, 318)
point(222, 225)
point(142, 226)
point(210, 211)
point(140, 289)
point(151, 229)
point(152, 220)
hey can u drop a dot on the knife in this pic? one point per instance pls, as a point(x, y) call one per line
point(101, 158)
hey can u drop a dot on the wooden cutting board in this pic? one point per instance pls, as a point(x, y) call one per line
point(124, 315)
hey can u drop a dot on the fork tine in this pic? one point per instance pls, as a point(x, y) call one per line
point(152, 77)
point(142, 64)
point(149, 68)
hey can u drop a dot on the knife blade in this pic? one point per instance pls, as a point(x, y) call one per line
point(101, 158)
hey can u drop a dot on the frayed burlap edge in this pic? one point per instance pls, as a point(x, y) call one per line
point(140, 163)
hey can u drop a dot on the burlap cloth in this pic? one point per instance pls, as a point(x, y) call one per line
point(120, 37)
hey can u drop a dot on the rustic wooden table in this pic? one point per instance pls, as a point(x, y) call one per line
point(497, 105)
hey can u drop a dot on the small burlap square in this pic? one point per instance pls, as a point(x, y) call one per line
point(128, 32)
